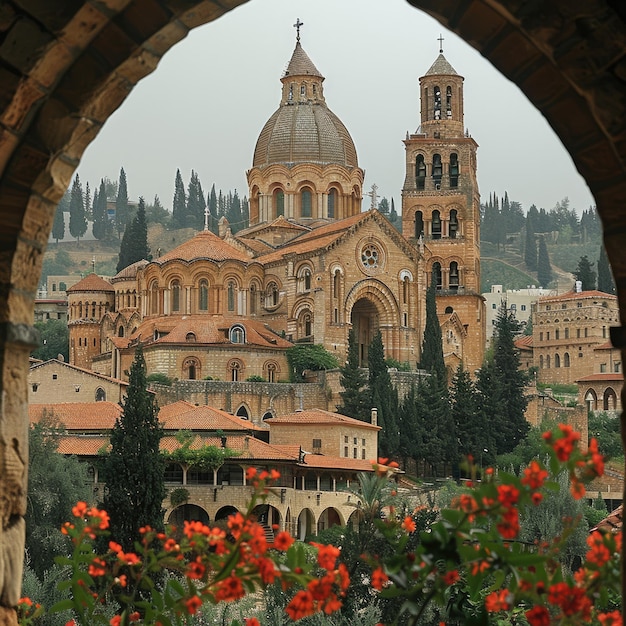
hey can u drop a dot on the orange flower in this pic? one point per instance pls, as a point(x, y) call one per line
point(538, 616)
point(599, 553)
point(229, 589)
point(508, 495)
point(79, 509)
point(610, 619)
point(408, 524)
point(326, 555)
point(451, 577)
point(116, 620)
point(283, 540)
point(193, 604)
point(577, 489)
point(509, 526)
point(534, 475)
point(236, 524)
point(498, 601)
point(300, 606)
point(97, 567)
point(251, 621)
point(379, 578)
point(196, 569)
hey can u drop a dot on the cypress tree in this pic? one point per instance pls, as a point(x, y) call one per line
point(121, 204)
point(179, 204)
point(100, 217)
point(58, 226)
point(354, 382)
point(585, 274)
point(411, 426)
point(606, 283)
point(512, 381)
point(134, 245)
point(432, 345)
point(212, 202)
point(134, 469)
point(245, 212)
point(544, 269)
point(195, 202)
point(78, 220)
point(530, 247)
point(492, 412)
point(233, 214)
point(87, 200)
point(383, 397)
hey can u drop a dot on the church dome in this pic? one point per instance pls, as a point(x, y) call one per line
point(304, 129)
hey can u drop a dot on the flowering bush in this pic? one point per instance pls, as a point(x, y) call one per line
point(470, 564)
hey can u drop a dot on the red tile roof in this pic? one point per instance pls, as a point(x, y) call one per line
point(334, 462)
point(78, 415)
point(83, 446)
point(612, 523)
point(600, 377)
point(181, 416)
point(204, 245)
point(91, 282)
point(318, 416)
point(574, 295)
point(130, 271)
point(524, 342)
point(51, 362)
point(605, 346)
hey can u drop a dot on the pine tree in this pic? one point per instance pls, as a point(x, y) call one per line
point(179, 204)
point(544, 269)
point(530, 247)
point(245, 212)
point(585, 274)
point(354, 383)
point(383, 207)
point(512, 381)
point(58, 226)
point(78, 221)
point(121, 204)
point(134, 468)
point(383, 397)
point(606, 283)
point(492, 412)
point(432, 345)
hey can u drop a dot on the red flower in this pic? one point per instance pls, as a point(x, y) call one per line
point(599, 553)
point(283, 540)
point(451, 577)
point(326, 555)
point(509, 526)
point(229, 589)
point(251, 621)
point(300, 606)
point(538, 616)
point(534, 475)
point(408, 524)
point(508, 495)
point(610, 619)
point(498, 601)
point(193, 604)
point(379, 578)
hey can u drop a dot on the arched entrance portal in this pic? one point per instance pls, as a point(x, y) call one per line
point(187, 513)
point(365, 321)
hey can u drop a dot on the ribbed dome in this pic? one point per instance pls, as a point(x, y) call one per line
point(304, 133)
point(304, 129)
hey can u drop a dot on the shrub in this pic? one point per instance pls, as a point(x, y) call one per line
point(159, 378)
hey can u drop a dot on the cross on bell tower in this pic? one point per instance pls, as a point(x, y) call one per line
point(297, 26)
point(440, 40)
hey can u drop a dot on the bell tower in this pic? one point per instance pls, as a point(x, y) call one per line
point(441, 211)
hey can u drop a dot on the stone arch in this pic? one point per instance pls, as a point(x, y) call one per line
point(243, 412)
point(305, 524)
point(56, 103)
point(591, 399)
point(269, 517)
point(187, 513)
point(192, 368)
point(609, 399)
point(329, 517)
point(225, 512)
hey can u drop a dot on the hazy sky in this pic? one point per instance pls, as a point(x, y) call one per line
point(205, 105)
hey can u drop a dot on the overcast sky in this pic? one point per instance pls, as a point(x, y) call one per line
point(205, 105)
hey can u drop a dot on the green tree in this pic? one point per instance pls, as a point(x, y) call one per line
point(87, 201)
point(134, 468)
point(53, 340)
point(514, 426)
point(354, 383)
point(233, 212)
point(121, 204)
point(156, 213)
point(195, 202)
point(134, 245)
point(179, 204)
point(606, 283)
point(585, 274)
point(432, 345)
point(492, 411)
point(55, 483)
point(411, 426)
point(58, 226)
point(213, 209)
point(544, 268)
point(530, 248)
point(383, 207)
point(78, 220)
point(383, 397)
point(101, 222)
point(312, 357)
point(394, 218)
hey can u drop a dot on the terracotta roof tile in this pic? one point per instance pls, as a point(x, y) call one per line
point(204, 418)
point(335, 462)
point(318, 416)
point(524, 342)
point(573, 295)
point(246, 447)
point(55, 362)
point(130, 271)
point(204, 245)
point(91, 282)
point(611, 523)
point(78, 415)
point(83, 446)
point(605, 346)
point(599, 377)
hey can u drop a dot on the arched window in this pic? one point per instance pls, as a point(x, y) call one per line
point(101, 395)
point(267, 415)
point(272, 295)
point(557, 360)
point(279, 202)
point(566, 359)
point(437, 170)
point(332, 203)
point(154, 297)
point(437, 274)
point(454, 224)
point(93, 310)
point(436, 225)
point(236, 370)
point(306, 203)
point(437, 103)
point(336, 283)
point(610, 399)
point(203, 303)
point(448, 101)
point(242, 412)
point(175, 287)
point(237, 334)
point(253, 299)
point(454, 275)
point(305, 279)
point(405, 290)
point(231, 295)
point(419, 224)
point(454, 170)
point(548, 361)
point(420, 171)
point(305, 324)
point(271, 372)
point(449, 310)
point(541, 361)
point(120, 331)
point(290, 97)
point(190, 337)
point(303, 89)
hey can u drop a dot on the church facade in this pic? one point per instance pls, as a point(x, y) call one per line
point(311, 265)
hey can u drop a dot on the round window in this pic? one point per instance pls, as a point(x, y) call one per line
point(370, 256)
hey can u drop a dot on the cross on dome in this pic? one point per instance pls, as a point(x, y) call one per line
point(297, 27)
point(440, 40)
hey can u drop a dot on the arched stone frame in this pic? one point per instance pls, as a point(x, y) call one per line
point(202, 294)
point(191, 368)
point(269, 517)
point(337, 288)
point(230, 474)
point(591, 399)
point(304, 316)
point(330, 516)
point(405, 288)
point(235, 369)
point(278, 202)
point(435, 272)
point(188, 512)
point(100, 395)
point(50, 144)
point(420, 167)
point(273, 296)
point(269, 414)
point(304, 277)
point(237, 334)
point(225, 512)
point(418, 223)
point(306, 200)
point(566, 359)
point(454, 225)
point(305, 524)
point(609, 399)
point(271, 371)
point(175, 295)
point(333, 199)
point(243, 411)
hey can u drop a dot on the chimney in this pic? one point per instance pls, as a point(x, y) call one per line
point(579, 286)
point(374, 416)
